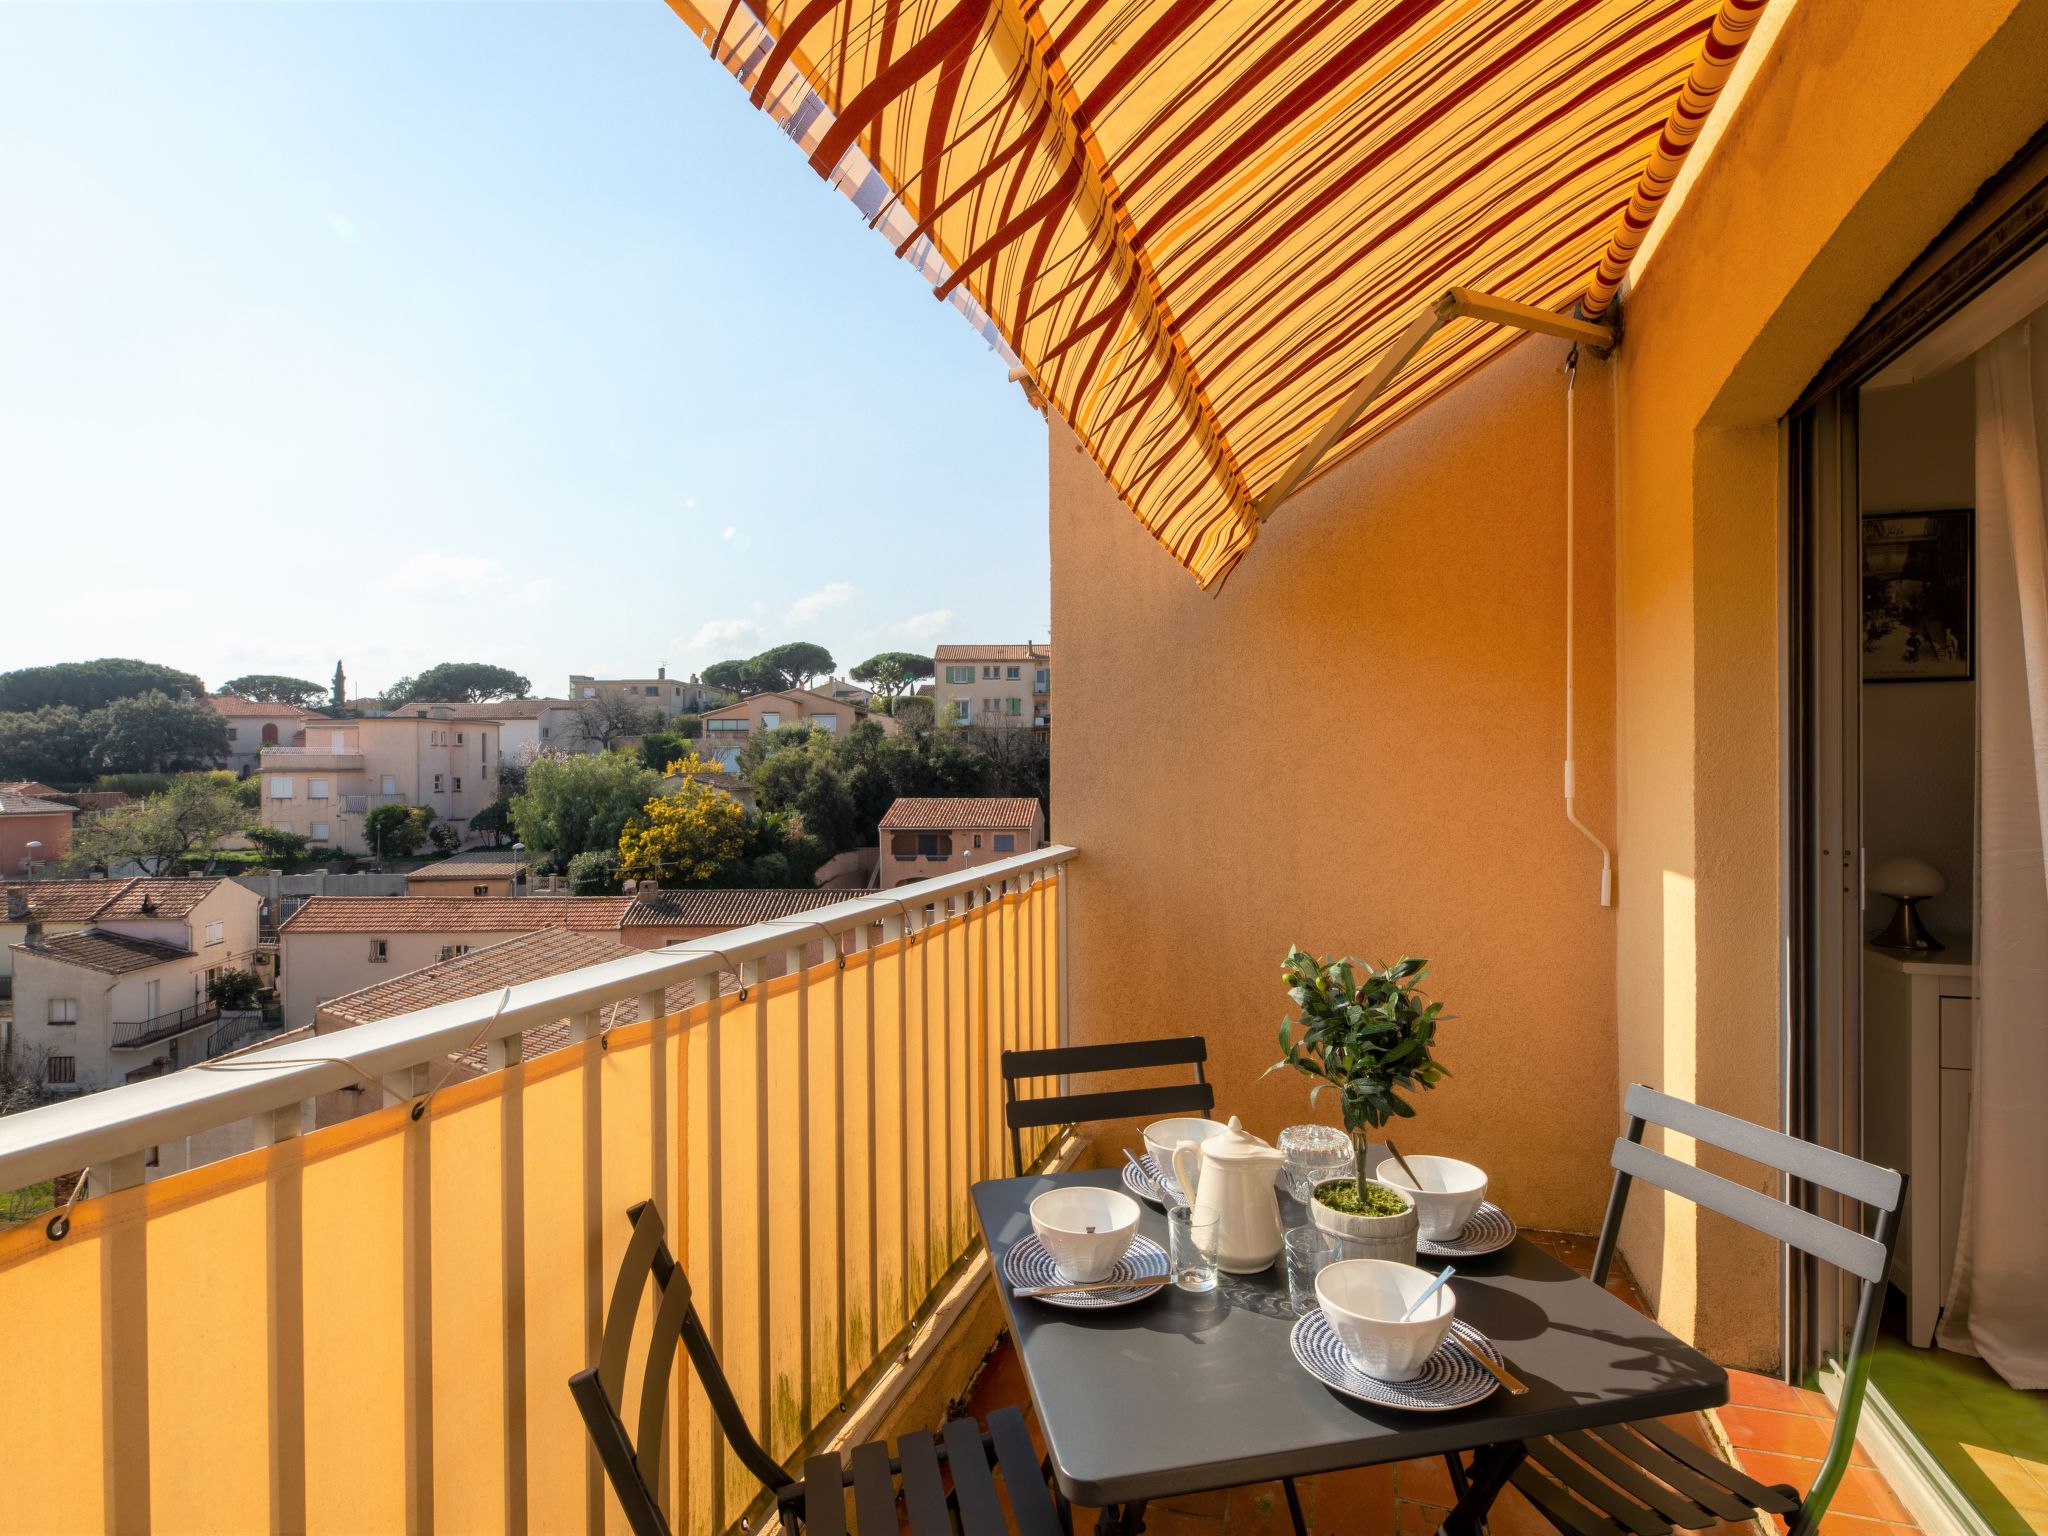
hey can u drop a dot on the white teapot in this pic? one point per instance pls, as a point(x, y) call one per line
point(1231, 1176)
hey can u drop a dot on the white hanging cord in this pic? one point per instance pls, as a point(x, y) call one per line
point(1571, 380)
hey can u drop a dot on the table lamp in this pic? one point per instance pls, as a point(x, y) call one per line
point(1907, 881)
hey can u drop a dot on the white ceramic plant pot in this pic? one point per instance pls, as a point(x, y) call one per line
point(1368, 1237)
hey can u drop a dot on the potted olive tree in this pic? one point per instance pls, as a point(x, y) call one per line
point(1365, 1031)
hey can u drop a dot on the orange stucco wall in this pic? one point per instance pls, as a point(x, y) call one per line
point(1357, 746)
point(1865, 130)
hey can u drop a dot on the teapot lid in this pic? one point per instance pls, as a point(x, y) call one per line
point(1236, 1144)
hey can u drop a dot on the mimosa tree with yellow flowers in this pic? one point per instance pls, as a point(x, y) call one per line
point(686, 836)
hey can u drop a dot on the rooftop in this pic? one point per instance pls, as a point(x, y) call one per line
point(149, 897)
point(235, 707)
point(67, 901)
point(473, 864)
point(494, 709)
point(112, 954)
point(529, 957)
point(913, 814)
point(1029, 652)
point(13, 804)
point(438, 914)
point(724, 908)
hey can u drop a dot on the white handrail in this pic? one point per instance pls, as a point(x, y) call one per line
point(96, 1128)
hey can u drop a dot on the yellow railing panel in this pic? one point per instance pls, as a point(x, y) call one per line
point(371, 1326)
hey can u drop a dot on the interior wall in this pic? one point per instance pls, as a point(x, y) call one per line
point(1916, 452)
point(1791, 232)
point(1357, 746)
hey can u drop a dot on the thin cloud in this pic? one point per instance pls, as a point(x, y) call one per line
point(924, 626)
point(717, 639)
point(539, 590)
point(432, 570)
point(815, 605)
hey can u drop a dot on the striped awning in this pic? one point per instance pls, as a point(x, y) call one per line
point(1196, 222)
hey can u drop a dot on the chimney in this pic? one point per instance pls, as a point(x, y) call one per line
point(17, 904)
point(661, 674)
point(32, 933)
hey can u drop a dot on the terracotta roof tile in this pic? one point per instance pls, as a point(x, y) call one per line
point(113, 954)
point(992, 653)
point(235, 707)
point(456, 914)
point(496, 709)
point(160, 898)
point(912, 814)
point(724, 907)
point(529, 957)
point(452, 870)
point(66, 901)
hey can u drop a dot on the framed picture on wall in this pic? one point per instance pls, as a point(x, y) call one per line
point(1919, 596)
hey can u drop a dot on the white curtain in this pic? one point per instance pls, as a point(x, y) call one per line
point(1998, 1297)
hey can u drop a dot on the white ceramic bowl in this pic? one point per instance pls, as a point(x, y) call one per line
point(1085, 1230)
point(1364, 1300)
point(1162, 1136)
point(1450, 1193)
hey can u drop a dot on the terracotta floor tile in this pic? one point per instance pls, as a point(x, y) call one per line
point(1751, 1390)
point(1417, 1519)
point(1357, 1501)
point(1862, 1490)
point(1257, 1510)
point(1513, 1515)
point(1211, 1503)
point(1169, 1522)
point(1816, 1403)
point(1424, 1482)
point(1787, 1434)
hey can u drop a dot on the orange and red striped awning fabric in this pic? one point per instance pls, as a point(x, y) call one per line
point(1196, 222)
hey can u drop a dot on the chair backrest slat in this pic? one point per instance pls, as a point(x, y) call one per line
point(661, 1359)
point(1022, 1113)
point(1861, 1256)
point(1113, 1056)
point(1112, 1104)
point(1845, 1175)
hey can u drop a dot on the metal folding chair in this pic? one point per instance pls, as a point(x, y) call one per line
point(1022, 1114)
point(1643, 1479)
point(816, 1501)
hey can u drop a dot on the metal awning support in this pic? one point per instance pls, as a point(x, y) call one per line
point(1455, 304)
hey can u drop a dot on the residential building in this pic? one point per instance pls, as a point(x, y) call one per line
point(325, 787)
point(472, 872)
point(671, 696)
point(993, 684)
point(34, 832)
point(254, 725)
point(725, 730)
point(715, 778)
point(125, 995)
point(526, 727)
point(923, 837)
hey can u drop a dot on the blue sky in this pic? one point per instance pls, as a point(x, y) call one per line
point(423, 332)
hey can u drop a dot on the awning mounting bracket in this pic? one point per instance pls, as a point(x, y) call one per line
point(1453, 304)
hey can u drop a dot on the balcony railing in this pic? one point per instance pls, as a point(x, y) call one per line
point(308, 760)
point(371, 1325)
point(137, 1033)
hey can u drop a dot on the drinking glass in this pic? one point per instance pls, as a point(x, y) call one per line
point(1314, 1153)
point(1306, 1252)
point(1191, 1247)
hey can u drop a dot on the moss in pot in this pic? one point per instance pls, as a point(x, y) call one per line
point(1366, 1031)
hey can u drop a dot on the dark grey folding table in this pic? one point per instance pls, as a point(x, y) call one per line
point(1180, 1393)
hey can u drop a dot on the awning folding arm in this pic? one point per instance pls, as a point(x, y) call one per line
point(1455, 304)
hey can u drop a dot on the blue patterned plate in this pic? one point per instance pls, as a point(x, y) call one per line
point(1149, 1186)
point(1490, 1230)
point(1029, 1264)
point(1450, 1378)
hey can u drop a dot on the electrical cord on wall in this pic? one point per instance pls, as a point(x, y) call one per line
point(1571, 380)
